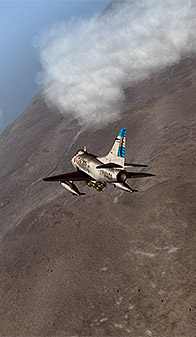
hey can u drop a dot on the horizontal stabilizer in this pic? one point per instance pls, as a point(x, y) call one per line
point(113, 165)
point(108, 165)
point(138, 175)
point(135, 165)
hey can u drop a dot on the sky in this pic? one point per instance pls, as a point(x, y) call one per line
point(22, 22)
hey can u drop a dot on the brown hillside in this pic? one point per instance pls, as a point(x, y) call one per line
point(109, 264)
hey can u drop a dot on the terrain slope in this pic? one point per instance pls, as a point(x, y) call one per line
point(111, 263)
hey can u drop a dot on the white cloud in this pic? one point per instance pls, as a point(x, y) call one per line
point(86, 64)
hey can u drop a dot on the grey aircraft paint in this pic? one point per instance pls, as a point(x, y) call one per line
point(100, 171)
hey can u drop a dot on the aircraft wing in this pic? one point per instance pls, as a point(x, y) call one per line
point(72, 176)
point(138, 175)
point(114, 165)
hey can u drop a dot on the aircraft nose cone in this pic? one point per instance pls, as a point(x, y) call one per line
point(73, 161)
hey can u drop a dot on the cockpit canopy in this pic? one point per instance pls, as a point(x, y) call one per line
point(80, 151)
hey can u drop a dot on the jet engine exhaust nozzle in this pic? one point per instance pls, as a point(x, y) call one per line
point(122, 176)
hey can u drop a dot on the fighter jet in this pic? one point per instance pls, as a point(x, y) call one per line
point(97, 172)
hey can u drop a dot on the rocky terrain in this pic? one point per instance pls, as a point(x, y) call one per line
point(111, 263)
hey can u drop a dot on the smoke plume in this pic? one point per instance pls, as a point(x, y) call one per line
point(87, 63)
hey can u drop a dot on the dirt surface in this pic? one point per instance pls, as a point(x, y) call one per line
point(111, 263)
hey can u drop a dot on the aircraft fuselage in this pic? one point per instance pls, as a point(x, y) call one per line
point(88, 163)
point(97, 172)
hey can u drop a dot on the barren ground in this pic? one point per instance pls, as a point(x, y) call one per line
point(108, 264)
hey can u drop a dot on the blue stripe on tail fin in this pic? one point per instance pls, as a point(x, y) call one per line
point(121, 136)
point(122, 133)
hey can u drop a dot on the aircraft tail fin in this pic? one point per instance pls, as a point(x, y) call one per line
point(118, 150)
